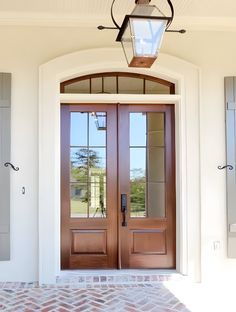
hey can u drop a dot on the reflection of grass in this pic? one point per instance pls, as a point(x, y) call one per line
point(77, 206)
point(80, 208)
point(135, 212)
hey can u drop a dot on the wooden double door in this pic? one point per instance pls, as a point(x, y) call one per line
point(117, 186)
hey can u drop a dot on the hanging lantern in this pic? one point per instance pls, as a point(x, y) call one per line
point(141, 35)
point(142, 31)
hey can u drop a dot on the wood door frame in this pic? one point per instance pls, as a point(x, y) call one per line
point(68, 223)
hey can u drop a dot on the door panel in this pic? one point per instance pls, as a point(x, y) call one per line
point(89, 186)
point(118, 186)
point(146, 175)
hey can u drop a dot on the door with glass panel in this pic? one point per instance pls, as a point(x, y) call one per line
point(88, 186)
point(147, 186)
point(117, 186)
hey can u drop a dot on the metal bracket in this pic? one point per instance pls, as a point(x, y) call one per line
point(226, 166)
point(12, 166)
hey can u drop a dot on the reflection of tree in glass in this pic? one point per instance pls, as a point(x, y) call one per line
point(85, 168)
point(86, 158)
point(137, 191)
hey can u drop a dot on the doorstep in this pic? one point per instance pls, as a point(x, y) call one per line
point(97, 278)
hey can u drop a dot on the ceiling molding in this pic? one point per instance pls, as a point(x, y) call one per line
point(92, 21)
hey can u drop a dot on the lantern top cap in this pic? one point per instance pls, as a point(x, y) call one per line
point(142, 1)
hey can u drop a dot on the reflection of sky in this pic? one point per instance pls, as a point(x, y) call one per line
point(96, 137)
point(137, 129)
point(79, 131)
point(137, 161)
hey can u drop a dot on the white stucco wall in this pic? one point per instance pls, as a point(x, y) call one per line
point(24, 49)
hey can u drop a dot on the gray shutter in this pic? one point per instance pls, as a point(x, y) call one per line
point(230, 99)
point(5, 142)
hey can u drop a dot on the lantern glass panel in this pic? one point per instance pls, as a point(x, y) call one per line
point(127, 44)
point(146, 36)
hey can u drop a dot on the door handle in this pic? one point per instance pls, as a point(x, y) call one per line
point(124, 208)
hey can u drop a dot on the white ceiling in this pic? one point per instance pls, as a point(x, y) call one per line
point(182, 7)
point(89, 12)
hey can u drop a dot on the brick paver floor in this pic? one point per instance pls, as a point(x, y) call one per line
point(117, 298)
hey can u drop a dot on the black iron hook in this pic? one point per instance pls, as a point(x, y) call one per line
point(226, 166)
point(13, 167)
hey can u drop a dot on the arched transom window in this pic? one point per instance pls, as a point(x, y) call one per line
point(118, 83)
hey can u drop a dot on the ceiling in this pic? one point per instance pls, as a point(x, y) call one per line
point(89, 12)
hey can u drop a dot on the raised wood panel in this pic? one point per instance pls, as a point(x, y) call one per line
point(89, 261)
point(88, 242)
point(148, 242)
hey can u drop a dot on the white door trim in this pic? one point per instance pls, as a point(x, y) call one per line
point(186, 77)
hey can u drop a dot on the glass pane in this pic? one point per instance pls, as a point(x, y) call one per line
point(127, 44)
point(96, 84)
point(138, 165)
point(79, 164)
point(137, 129)
point(97, 128)
point(97, 203)
point(155, 121)
point(147, 35)
point(152, 87)
point(78, 87)
point(137, 182)
point(129, 85)
point(155, 127)
point(137, 199)
point(147, 165)
point(97, 162)
point(79, 201)
point(156, 200)
point(78, 129)
point(156, 164)
point(110, 85)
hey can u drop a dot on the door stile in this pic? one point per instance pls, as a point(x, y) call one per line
point(118, 190)
point(123, 142)
point(65, 194)
point(170, 183)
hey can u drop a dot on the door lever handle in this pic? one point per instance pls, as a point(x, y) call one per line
point(124, 208)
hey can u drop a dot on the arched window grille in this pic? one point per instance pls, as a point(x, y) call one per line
point(117, 83)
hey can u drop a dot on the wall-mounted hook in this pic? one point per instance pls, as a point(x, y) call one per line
point(13, 167)
point(226, 166)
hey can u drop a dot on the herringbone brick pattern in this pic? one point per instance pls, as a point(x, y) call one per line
point(130, 298)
